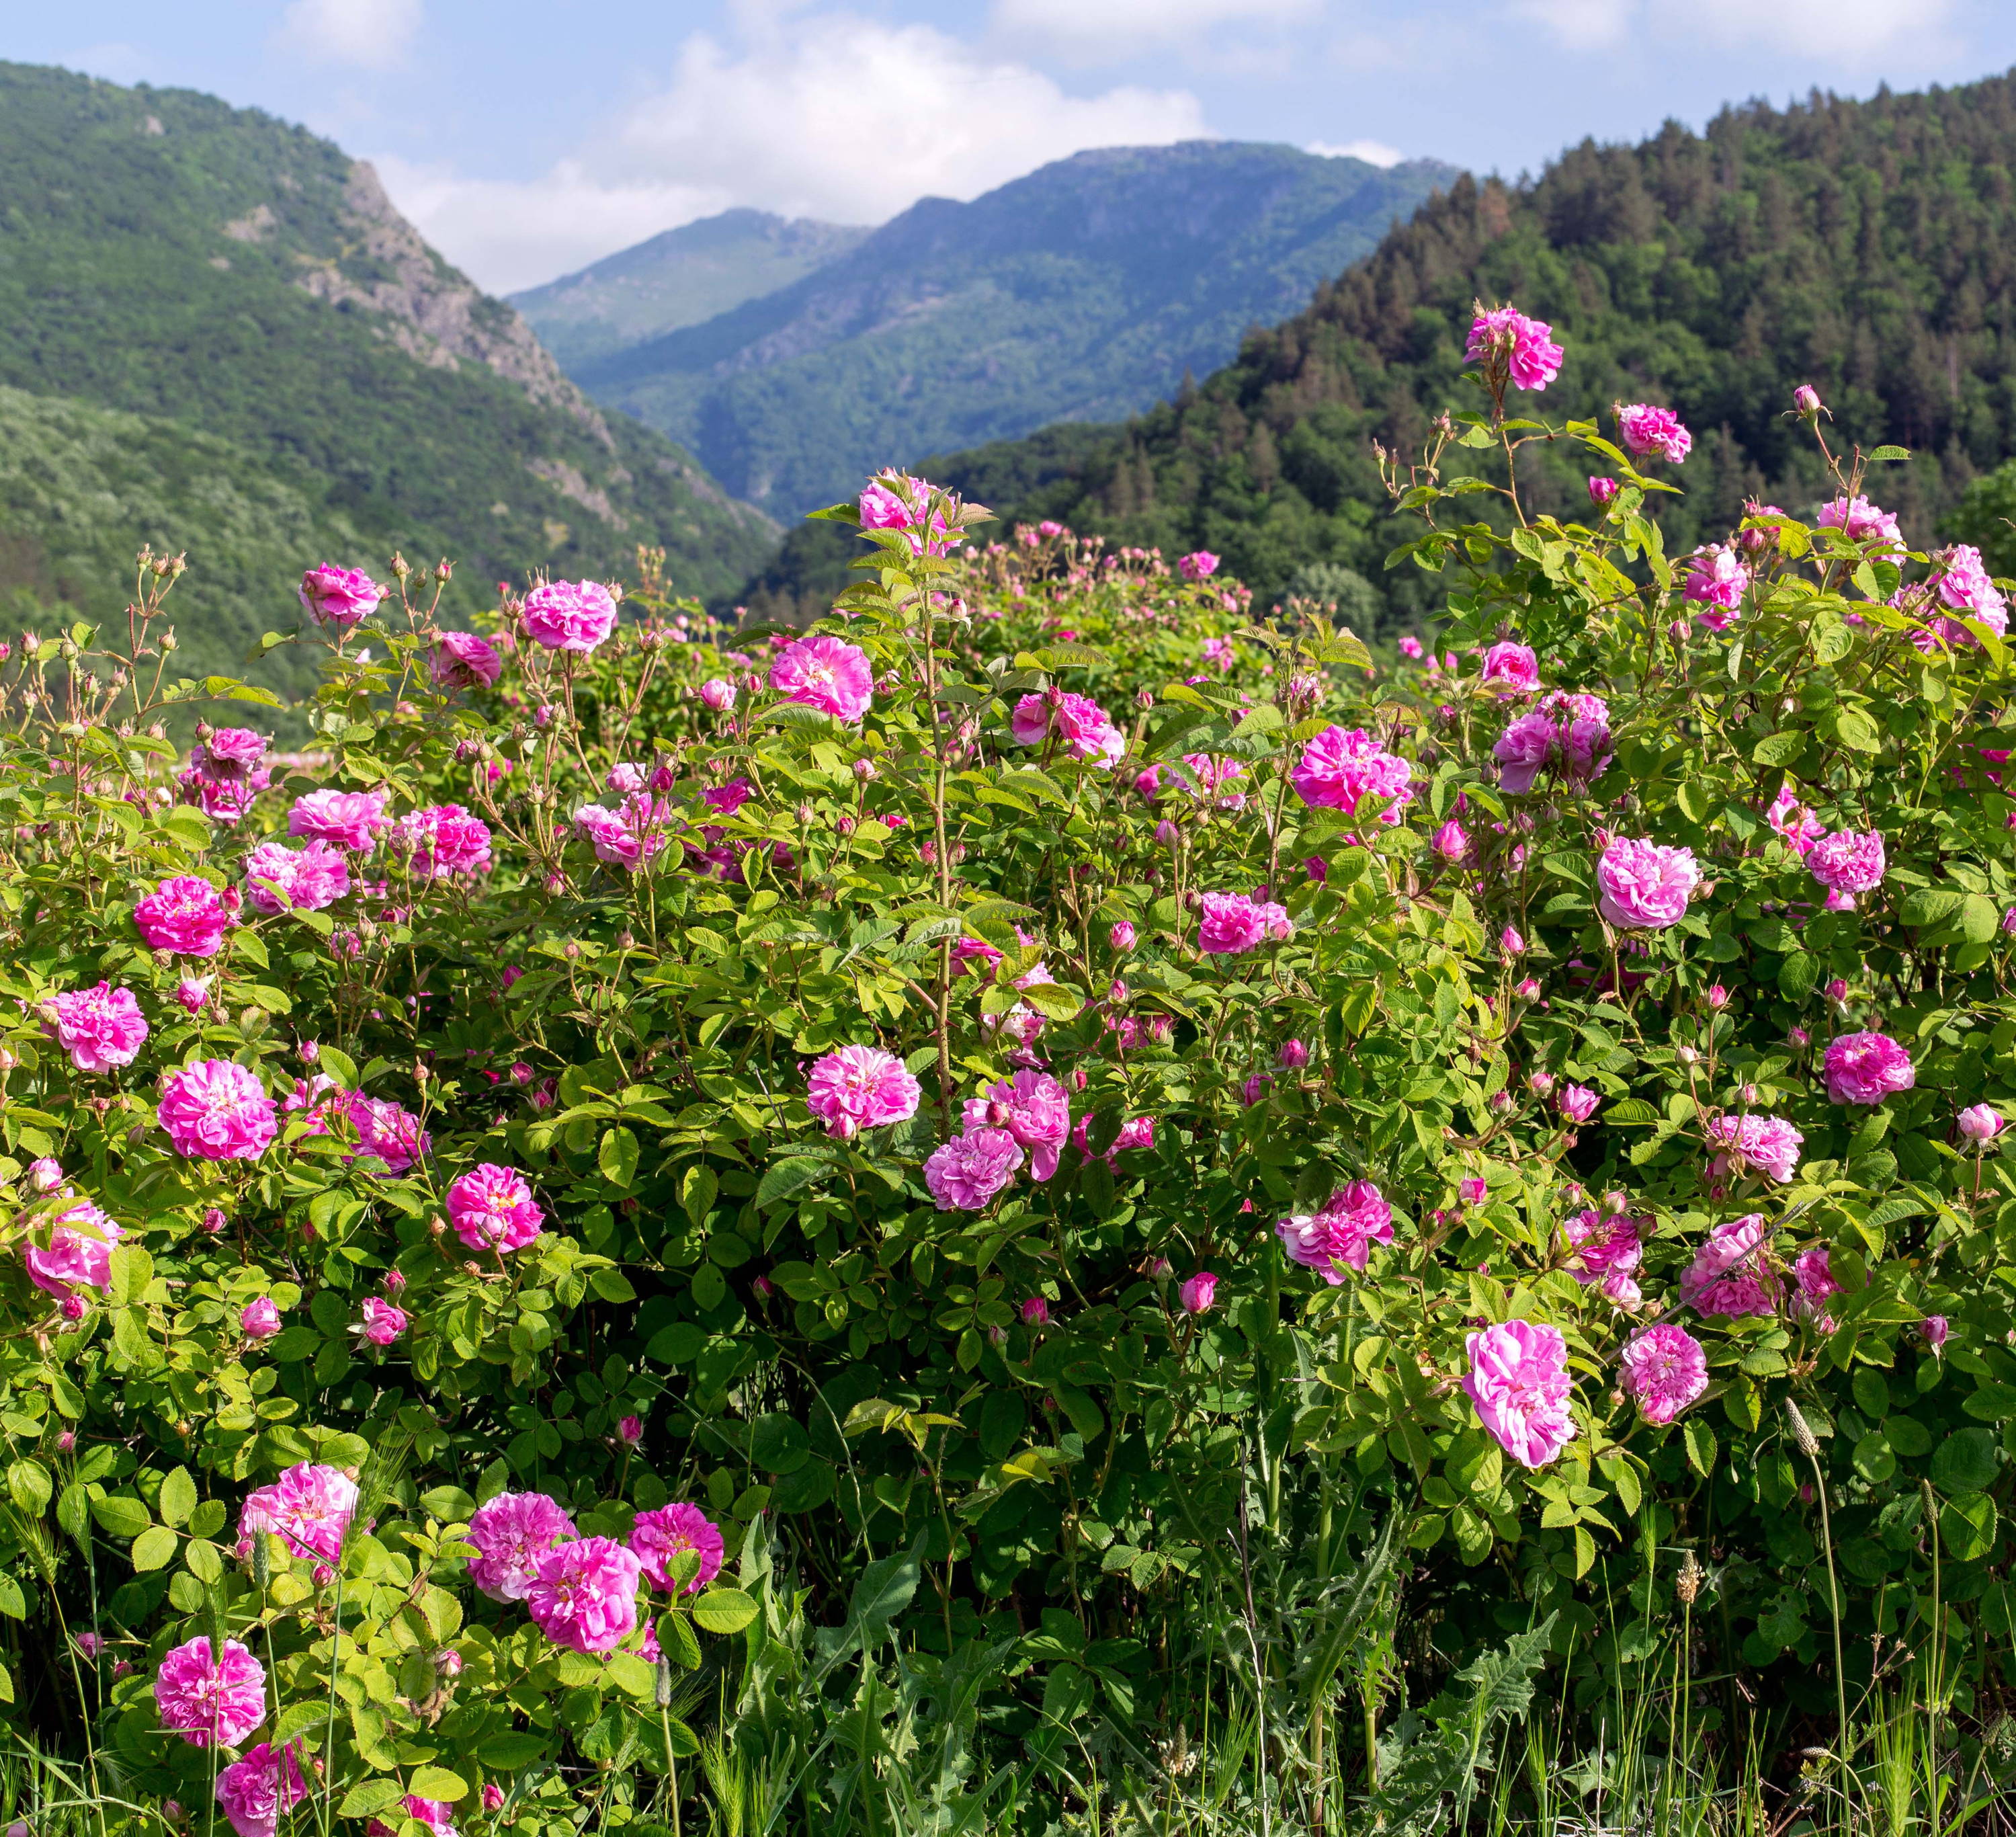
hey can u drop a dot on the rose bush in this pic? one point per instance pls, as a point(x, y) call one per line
point(992, 1115)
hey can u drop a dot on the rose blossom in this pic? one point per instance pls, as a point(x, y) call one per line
point(1452, 841)
point(1934, 1328)
point(718, 693)
point(1199, 1294)
point(1568, 732)
point(1729, 1274)
point(492, 1207)
point(858, 1087)
point(1769, 1144)
point(1603, 491)
point(436, 1814)
point(1862, 521)
point(661, 1534)
point(210, 1705)
point(1197, 566)
point(1664, 1369)
point(338, 596)
point(1033, 1107)
point(1121, 937)
point(444, 840)
point(1865, 1069)
point(184, 915)
point(1645, 884)
point(1230, 923)
point(344, 820)
point(583, 1594)
point(463, 660)
point(822, 672)
point(1648, 430)
point(1966, 586)
point(1504, 340)
point(1605, 1251)
point(215, 1110)
point(1792, 820)
point(1816, 1280)
point(1512, 669)
point(1086, 730)
point(254, 1791)
point(1518, 1380)
point(1577, 1102)
point(381, 1322)
point(280, 879)
point(965, 1173)
point(99, 1028)
point(510, 1533)
point(1340, 770)
point(388, 1132)
point(569, 615)
point(1716, 579)
point(309, 1506)
point(1848, 862)
point(1354, 1218)
point(260, 1319)
point(1980, 1122)
point(79, 1255)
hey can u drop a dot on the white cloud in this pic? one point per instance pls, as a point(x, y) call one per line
point(1844, 32)
point(1374, 152)
point(370, 35)
point(829, 116)
point(1102, 31)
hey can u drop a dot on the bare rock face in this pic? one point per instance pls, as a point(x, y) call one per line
point(431, 311)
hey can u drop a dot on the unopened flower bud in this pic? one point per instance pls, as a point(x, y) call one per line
point(1806, 399)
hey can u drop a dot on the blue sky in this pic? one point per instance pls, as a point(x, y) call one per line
point(529, 138)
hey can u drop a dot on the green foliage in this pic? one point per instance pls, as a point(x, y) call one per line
point(1079, 293)
point(164, 256)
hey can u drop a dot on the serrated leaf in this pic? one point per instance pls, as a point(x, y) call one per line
point(178, 1497)
point(437, 1782)
point(370, 1797)
point(617, 1157)
point(784, 1178)
point(154, 1548)
point(1701, 1445)
point(723, 1610)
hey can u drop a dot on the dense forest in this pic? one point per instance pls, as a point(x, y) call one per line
point(1867, 247)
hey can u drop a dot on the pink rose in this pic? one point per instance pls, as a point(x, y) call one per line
point(1768, 1143)
point(211, 1705)
point(259, 1320)
point(100, 1028)
point(569, 615)
point(280, 879)
point(1340, 770)
point(1790, 819)
point(1645, 885)
point(1605, 1250)
point(1452, 841)
point(1863, 522)
point(663, 1532)
point(965, 1173)
point(583, 1594)
point(1664, 1369)
point(1865, 1069)
point(858, 1087)
point(1033, 1107)
point(339, 596)
point(1036, 1312)
point(822, 673)
point(215, 1110)
point(1815, 1277)
point(1231, 923)
point(1577, 1102)
point(492, 1207)
point(1650, 431)
point(381, 1322)
point(1729, 1274)
point(463, 660)
point(1510, 346)
point(79, 1254)
point(1518, 1381)
point(1512, 669)
point(1121, 938)
point(1199, 1294)
point(1718, 579)
point(183, 917)
point(1603, 491)
point(1980, 1122)
point(344, 820)
point(1568, 732)
point(1848, 862)
point(510, 1533)
point(1200, 566)
point(444, 841)
point(1934, 1328)
point(308, 1507)
point(1354, 1218)
point(718, 693)
point(258, 1792)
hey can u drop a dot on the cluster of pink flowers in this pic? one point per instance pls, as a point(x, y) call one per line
point(1605, 1251)
point(1717, 579)
point(1792, 820)
point(1231, 923)
point(1034, 1109)
point(895, 500)
point(492, 1207)
point(1862, 521)
point(1356, 1217)
point(1664, 1369)
point(257, 1791)
point(225, 771)
point(576, 616)
point(183, 917)
point(1340, 770)
point(1768, 1145)
point(825, 673)
point(215, 1110)
point(1570, 733)
point(1518, 1381)
point(1507, 344)
point(1731, 1274)
point(338, 596)
point(100, 1029)
point(1963, 586)
point(858, 1087)
point(1847, 863)
point(633, 834)
point(443, 840)
point(1650, 433)
point(1079, 724)
point(308, 1507)
point(280, 879)
point(350, 821)
point(1865, 1069)
point(1644, 885)
point(209, 1704)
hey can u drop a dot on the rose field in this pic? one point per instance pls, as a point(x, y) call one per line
point(1061, 1203)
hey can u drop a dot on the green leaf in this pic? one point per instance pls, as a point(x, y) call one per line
point(1701, 1445)
point(154, 1548)
point(630, 1674)
point(729, 1610)
point(13, 1603)
point(29, 1484)
point(1968, 1525)
point(372, 1796)
point(1964, 1461)
point(1779, 749)
point(132, 1269)
point(884, 1591)
point(1889, 452)
point(1855, 730)
point(121, 1517)
point(178, 1500)
point(698, 1191)
point(617, 1159)
point(1992, 1403)
point(785, 1177)
point(676, 1641)
point(509, 1752)
point(437, 1782)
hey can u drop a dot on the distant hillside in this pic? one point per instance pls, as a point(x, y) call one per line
point(678, 278)
point(211, 269)
point(1867, 247)
point(1082, 292)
